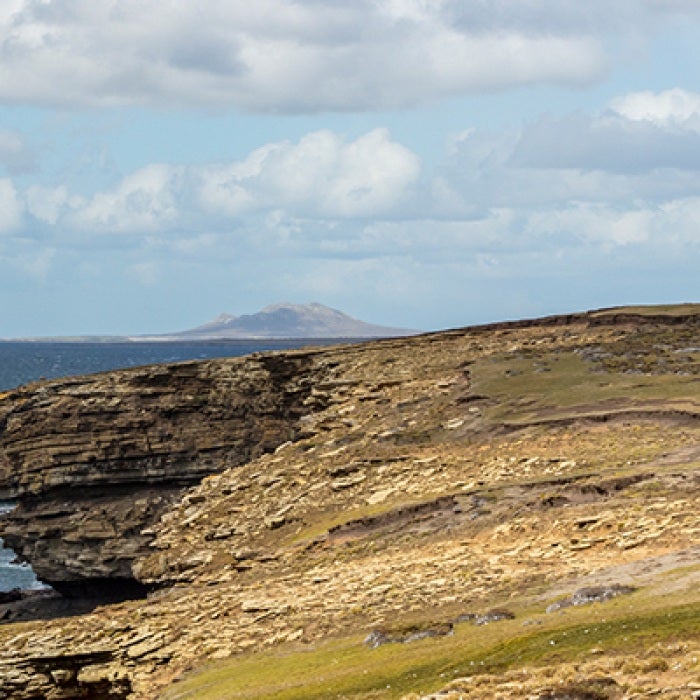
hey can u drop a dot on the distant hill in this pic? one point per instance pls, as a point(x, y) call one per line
point(290, 321)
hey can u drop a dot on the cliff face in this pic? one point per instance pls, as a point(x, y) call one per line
point(93, 461)
point(393, 490)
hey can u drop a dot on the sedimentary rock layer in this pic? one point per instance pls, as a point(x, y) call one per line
point(415, 486)
point(93, 461)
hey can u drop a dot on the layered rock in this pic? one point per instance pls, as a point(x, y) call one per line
point(435, 480)
point(93, 461)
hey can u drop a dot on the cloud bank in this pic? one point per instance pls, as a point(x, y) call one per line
point(625, 175)
point(324, 176)
point(300, 56)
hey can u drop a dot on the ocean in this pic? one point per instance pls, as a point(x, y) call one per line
point(13, 575)
point(25, 362)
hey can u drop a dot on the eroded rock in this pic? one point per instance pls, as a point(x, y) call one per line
point(94, 462)
point(591, 594)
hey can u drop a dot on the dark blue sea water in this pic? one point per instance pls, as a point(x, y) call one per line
point(24, 362)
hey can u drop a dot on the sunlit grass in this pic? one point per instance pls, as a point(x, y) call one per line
point(566, 385)
point(346, 668)
point(661, 309)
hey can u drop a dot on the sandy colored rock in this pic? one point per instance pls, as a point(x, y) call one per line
point(340, 503)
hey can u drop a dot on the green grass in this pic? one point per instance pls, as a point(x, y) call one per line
point(661, 309)
point(346, 668)
point(571, 386)
point(325, 520)
point(320, 522)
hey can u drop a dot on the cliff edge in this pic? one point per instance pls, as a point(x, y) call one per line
point(94, 461)
point(501, 511)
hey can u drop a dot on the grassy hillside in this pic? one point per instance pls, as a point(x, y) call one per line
point(504, 512)
point(507, 469)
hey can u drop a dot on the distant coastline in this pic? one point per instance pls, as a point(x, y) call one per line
point(283, 322)
point(173, 339)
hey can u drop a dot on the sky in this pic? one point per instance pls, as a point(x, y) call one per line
point(415, 163)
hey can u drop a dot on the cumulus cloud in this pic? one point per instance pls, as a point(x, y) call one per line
point(322, 176)
point(670, 108)
point(606, 143)
point(47, 203)
point(593, 223)
point(301, 56)
point(555, 185)
point(146, 200)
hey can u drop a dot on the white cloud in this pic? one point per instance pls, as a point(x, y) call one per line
point(680, 220)
point(46, 203)
point(670, 108)
point(328, 198)
point(323, 175)
point(639, 132)
point(146, 200)
point(593, 223)
point(274, 55)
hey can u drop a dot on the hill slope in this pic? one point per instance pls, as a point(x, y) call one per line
point(503, 511)
point(291, 321)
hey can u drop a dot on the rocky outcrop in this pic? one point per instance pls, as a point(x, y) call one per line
point(93, 461)
point(381, 492)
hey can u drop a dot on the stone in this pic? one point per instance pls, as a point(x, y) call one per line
point(63, 676)
point(342, 563)
point(349, 482)
point(379, 496)
point(94, 462)
point(222, 532)
point(275, 521)
point(245, 554)
point(144, 647)
point(376, 638)
point(494, 615)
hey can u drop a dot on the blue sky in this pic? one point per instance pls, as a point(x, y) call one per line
point(424, 163)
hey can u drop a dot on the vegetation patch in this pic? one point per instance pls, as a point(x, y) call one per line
point(654, 310)
point(347, 668)
point(572, 387)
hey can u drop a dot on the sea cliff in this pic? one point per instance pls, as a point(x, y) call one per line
point(94, 461)
point(278, 509)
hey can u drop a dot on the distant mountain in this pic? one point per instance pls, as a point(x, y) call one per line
point(290, 321)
